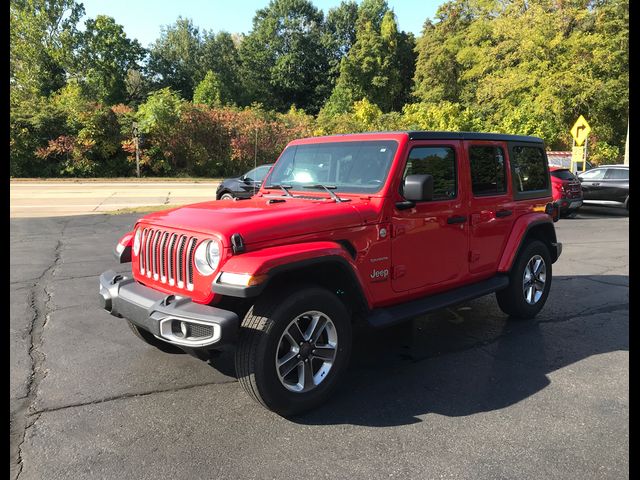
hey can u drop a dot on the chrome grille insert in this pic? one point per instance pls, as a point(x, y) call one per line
point(167, 257)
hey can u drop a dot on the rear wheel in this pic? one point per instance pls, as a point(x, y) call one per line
point(293, 349)
point(529, 282)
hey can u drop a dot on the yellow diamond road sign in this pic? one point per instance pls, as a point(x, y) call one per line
point(580, 130)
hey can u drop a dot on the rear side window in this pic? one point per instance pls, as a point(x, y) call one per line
point(563, 175)
point(439, 162)
point(617, 174)
point(529, 170)
point(488, 175)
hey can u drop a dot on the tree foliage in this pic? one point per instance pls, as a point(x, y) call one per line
point(105, 57)
point(284, 58)
point(202, 98)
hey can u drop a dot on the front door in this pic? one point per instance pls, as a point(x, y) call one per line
point(591, 182)
point(430, 241)
point(492, 207)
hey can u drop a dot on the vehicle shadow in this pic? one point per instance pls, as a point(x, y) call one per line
point(472, 358)
point(594, 211)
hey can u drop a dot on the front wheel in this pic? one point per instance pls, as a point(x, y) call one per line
point(293, 349)
point(226, 196)
point(529, 282)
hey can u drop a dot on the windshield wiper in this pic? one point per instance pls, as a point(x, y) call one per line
point(328, 188)
point(283, 187)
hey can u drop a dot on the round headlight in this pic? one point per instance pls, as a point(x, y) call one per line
point(136, 242)
point(207, 257)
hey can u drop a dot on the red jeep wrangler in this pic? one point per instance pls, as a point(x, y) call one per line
point(379, 227)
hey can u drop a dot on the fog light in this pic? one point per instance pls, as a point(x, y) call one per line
point(180, 329)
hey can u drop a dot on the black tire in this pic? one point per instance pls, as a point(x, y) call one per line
point(512, 300)
point(258, 347)
point(226, 196)
point(149, 339)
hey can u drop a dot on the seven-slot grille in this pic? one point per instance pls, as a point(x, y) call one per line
point(167, 257)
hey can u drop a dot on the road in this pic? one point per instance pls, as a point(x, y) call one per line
point(49, 199)
point(462, 393)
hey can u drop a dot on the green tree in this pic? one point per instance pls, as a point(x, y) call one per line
point(174, 59)
point(437, 71)
point(220, 55)
point(375, 64)
point(104, 58)
point(284, 59)
point(43, 36)
point(208, 91)
point(340, 34)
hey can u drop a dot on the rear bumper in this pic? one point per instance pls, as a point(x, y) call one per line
point(568, 204)
point(171, 318)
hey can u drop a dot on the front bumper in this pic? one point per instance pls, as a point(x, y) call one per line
point(171, 318)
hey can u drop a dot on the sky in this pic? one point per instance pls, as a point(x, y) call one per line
point(142, 19)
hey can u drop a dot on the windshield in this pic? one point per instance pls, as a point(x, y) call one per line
point(356, 167)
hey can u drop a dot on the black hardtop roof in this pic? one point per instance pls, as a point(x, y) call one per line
point(432, 135)
point(426, 135)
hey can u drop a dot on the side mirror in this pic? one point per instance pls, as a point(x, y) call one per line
point(418, 188)
point(244, 179)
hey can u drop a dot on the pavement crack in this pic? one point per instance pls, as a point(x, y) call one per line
point(131, 395)
point(607, 283)
point(39, 300)
point(100, 204)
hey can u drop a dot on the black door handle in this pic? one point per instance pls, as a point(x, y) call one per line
point(456, 219)
point(595, 184)
point(503, 213)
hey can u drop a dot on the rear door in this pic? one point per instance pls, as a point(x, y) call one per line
point(491, 205)
point(615, 185)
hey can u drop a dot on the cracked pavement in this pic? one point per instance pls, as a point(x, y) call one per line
point(461, 393)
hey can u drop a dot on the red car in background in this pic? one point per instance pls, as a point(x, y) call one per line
point(567, 192)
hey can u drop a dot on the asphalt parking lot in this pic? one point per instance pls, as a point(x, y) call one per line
point(463, 393)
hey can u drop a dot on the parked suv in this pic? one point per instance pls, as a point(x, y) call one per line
point(375, 228)
point(243, 186)
point(567, 192)
point(607, 184)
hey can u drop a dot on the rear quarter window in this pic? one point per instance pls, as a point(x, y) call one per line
point(529, 171)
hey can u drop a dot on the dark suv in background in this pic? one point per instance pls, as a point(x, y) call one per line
point(606, 184)
point(244, 186)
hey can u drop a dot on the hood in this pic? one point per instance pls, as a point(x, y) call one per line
point(257, 220)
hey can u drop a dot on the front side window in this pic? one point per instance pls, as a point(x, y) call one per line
point(488, 171)
point(596, 174)
point(257, 174)
point(440, 163)
point(529, 169)
point(355, 167)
